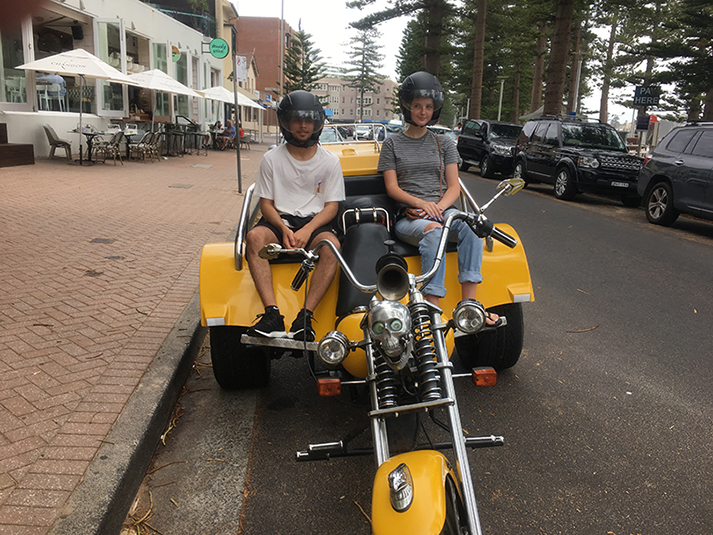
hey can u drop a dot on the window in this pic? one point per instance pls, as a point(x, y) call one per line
point(551, 135)
point(704, 145)
point(112, 44)
point(680, 140)
point(539, 135)
point(159, 57)
point(334, 88)
point(12, 81)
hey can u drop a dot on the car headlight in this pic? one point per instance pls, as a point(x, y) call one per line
point(333, 348)
point(588, 161)
point(502, 150)
point(469, 316)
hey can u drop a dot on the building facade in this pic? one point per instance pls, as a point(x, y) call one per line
point(344, 103)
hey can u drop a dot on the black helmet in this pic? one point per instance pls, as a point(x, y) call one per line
point(420, 84)
point(300, 105)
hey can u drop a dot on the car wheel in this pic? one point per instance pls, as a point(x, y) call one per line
point(519, 172)
point(464, 166)
point(499, 348)
point(564, 185)
point(631, 201)
point(659, 205)
point(485, 167)
point(235, 365)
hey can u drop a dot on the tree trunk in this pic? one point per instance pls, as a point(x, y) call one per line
point(574, 69)
point(536, 100)
point(434, 29)
point(608, 67)
point(516, 93)
point(477, 89)
point(557, 69)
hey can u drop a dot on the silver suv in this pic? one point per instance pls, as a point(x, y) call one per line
point(678, 176)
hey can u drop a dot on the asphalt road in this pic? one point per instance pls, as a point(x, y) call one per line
point(607, 417)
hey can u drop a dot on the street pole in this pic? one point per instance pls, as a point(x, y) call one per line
point(235, 100)
point(500, 105)
point(282, 71)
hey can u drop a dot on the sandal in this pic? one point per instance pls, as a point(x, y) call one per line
point(492, 323)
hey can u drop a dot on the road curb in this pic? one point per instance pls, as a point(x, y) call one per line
point(101, 502)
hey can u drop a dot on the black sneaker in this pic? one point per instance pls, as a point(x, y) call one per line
point(270, 325)
point(302, 326)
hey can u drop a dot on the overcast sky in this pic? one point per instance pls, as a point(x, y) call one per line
point(328, 23)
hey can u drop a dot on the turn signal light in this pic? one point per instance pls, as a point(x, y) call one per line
point(485, 377)
point(329, 386)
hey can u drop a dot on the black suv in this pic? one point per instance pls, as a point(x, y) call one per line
point(577, 156)
point(488, 145)
point(678, 176)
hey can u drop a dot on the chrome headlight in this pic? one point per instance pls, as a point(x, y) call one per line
point(401, 488)
point(587, 161)
point(502, 150)
point(333, 348)
point(469, 316)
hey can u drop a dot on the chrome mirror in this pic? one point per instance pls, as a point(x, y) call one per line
point(270, 251)
point(511, 186)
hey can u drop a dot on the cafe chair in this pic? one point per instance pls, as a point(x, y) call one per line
point(56, 142)
point(245, 141)
point(142, 148)
point(110, 149)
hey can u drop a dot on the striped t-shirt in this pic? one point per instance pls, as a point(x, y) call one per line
point(417, 163)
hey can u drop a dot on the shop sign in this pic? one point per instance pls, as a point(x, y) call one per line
point(219, 48)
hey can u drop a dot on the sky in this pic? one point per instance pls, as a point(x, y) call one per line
point(328, 23)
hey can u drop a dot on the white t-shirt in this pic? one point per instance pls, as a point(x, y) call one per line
point(299, 188)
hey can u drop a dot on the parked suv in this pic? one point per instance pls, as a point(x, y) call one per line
point(678, 176)
point(577, 156)
point(489, 145)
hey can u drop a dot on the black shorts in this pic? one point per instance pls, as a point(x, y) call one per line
point(295, 223)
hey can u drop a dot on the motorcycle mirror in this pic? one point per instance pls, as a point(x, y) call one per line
point(511, 186)
point(270, 251)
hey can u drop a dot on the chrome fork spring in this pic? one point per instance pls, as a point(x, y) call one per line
point(425, 352)
point(385, 382)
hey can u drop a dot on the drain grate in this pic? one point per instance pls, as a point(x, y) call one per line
point(202, 165)
point(181, 186)
point(103, 240)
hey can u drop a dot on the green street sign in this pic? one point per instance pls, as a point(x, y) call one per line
point(219, 48)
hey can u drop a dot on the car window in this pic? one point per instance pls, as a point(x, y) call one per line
point(591, 135)
point(539, 135)
point(506, 131)
point(680, 140)
point(471, 127)
point(551, 135)
point(704, 145)
point(526, 132)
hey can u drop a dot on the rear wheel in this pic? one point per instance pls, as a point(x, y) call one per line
point(564, 185)
point(499, 348)
point(659, 205)
point(235, 365)
point(486, 170)
point(519, 172)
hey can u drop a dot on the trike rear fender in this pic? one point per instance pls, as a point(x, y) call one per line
point(228, 296)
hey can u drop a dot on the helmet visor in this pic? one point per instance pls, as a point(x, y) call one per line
point(314, 116)
point(434, 94)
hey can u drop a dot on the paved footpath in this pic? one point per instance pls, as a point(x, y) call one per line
point(98, 292)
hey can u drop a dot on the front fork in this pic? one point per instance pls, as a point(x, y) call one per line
point(435, 336)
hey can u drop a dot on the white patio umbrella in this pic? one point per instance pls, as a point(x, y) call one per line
point(78, 62)
point(158, 80)
point(224, 95)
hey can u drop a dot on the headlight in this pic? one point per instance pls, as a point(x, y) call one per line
point(333, 348)
point(587, 161)
point(401, 488)
point(502, 150)
point(469, 316)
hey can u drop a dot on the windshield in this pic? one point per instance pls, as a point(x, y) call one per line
point(506, 131)
point(590, 135)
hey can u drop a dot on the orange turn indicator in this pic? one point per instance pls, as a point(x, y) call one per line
point(485, 376)
point(329, 386)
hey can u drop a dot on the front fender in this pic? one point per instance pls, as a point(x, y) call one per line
point(427, 513)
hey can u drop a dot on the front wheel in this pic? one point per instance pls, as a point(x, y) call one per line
point(564, 185)
point(456, 523)
point(486, 170)
point(659, 205)
point(519, 172)
point(499, 348)
point(235, 365)
point(464, 166)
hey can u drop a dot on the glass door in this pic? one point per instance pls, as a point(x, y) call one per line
point(110, 46)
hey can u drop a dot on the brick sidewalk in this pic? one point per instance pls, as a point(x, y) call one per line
point(96, 266)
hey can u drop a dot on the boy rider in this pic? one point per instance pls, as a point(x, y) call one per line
point(300, 185)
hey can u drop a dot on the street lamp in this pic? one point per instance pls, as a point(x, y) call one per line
point(500, 105)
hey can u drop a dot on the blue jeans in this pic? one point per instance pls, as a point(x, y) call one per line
point(470, 251)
